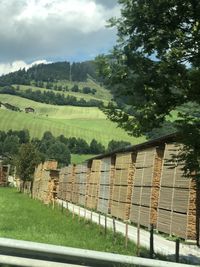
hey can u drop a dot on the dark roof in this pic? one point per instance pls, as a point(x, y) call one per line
point(150, 143)
point(29, 108)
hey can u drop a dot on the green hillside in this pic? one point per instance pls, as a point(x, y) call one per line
point(83, 122)
point(101, 93)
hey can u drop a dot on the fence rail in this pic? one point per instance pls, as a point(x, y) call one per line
point(32, 253)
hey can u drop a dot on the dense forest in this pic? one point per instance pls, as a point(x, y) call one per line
point(78, 71)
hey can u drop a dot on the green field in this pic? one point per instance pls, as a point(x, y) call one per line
point(71, 121)
point(27, 219)
point(80, 158)
point(101, 94)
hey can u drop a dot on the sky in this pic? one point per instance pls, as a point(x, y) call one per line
point(42, 31)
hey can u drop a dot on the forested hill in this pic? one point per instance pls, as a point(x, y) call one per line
point(51, 72)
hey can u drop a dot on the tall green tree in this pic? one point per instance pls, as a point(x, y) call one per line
point(96, 147)
point(11, 145)
point(59, 152)
point(27, 159)
point(155, 68)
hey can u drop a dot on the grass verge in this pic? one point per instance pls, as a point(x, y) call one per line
point(26, 219)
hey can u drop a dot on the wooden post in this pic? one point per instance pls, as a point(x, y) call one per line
point(84, 214)
point(79, 213)
point(126, 236)
point(62, 207)
point(151, 251)
point(91, 216)
point(53, 204)
point(114, 227)
point(105, 225)
point(67, 209)
point(138, 240)
point(73, 212)
point(177, 249)
point(99, 219)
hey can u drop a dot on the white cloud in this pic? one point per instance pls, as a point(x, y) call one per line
point(17, 65)
point(31, 29)
point(82, 15)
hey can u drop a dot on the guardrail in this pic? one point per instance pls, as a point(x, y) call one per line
point(32, 253)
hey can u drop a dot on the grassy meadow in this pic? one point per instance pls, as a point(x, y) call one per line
point(101, 93)
point(26, 219)
point(82, 122)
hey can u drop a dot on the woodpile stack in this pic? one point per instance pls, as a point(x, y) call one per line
point(4, 172)
point(104, 186)
point(45, 182)
point(81, 172)
point(158, 163)
point(177, 194)
point(36, 180)
point(122, 185)
point(68, 179)
point(62, 184)
point(146, 187)
point(93, 184)
point(51, 193)
point(50, 165)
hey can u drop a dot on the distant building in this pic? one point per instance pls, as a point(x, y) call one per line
point(29, 110)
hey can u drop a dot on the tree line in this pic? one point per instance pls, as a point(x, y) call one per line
point(77, 71)
point(19, 150)
point(50, 97)
point(51, 147)
point(64, 88)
